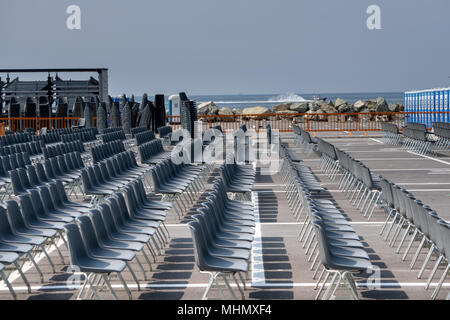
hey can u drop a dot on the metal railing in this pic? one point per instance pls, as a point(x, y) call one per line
point(313, 122)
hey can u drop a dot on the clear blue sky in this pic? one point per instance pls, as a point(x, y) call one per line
point(235, 46)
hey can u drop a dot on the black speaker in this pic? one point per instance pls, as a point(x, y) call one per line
point(62, 107)
point(44, 108)
point(14, 108)
point(30, 108)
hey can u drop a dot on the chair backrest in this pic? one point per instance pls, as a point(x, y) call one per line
point(24, 180)
point(386, 192)
point(324, 252)
point(15, 216)
point(109, 221)
point(200, 251)
point(28, 211)
point(5, 226)
point(98, 224)
point(17, 186)
point(47, 200)
point(444, 231)
point(77, 249)
point(87, 232)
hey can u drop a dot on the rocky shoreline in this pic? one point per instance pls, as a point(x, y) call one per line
point(310, 108)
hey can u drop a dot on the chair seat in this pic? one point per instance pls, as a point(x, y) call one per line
point(350, 264)
point(8, 257)
point(16, 247)
point(213, 263)
point(100, 265)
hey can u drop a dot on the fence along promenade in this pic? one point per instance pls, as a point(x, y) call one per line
point(316, 122)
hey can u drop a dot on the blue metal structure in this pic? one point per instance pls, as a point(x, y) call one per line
point(428, 106)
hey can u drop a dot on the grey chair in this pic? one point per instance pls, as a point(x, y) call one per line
point(93, 269)
point(213, 265)
point(96, 250)
point(4, 278)
point(341, 267)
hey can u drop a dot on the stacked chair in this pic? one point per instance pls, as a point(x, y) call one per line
point(329, 239)
point(222, 231)
point(405, 210)
point(188, 115)
point(391, 134)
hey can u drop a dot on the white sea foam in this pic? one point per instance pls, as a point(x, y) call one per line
point(283, 98)
point(290, 97)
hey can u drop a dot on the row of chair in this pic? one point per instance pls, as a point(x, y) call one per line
point(416, 126)
point(34, 225)
point(135, 131)
point(144, 137)
point(111, 130)
point(417, 140)
point(391, 134)
point(66, 168)
point(238, 179)
point(107, 150)
point(108, 238)
point(223, 231)
point(357, 182)
point(329, 239)
point(87, 137)
point(178, 183)
point(15, 138)
point(302, 136)
point(63, 148)
point(152, 152)
point(33, 148)
point(165, 131)
point(8, 163)
point(113, 136)
point(107, 176)
point(405, 210)
point(442, 132)
point(49, 137)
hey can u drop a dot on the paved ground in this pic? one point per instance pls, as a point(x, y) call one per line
point(280, 269)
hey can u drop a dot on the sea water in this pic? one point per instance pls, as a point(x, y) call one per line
point(241, 101)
